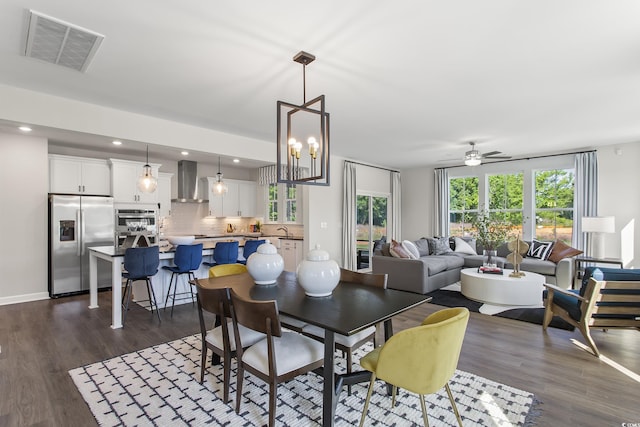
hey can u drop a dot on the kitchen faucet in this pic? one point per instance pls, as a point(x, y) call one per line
point(286, 231)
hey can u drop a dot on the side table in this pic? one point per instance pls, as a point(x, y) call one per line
point(580, 262)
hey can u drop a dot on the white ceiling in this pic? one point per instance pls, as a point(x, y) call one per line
point(407, 83)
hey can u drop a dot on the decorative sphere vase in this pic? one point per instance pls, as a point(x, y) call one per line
point(318, 274)
point(265, 264)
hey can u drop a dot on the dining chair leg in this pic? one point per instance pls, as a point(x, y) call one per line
point(394, 393)
point(226, 369)
point(349, 362)
point(453, 404)
point(239, 381)
point(424, 410)
point(203, 361)
point(366, 402)
point(273, 397)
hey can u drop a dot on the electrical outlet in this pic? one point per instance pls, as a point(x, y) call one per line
point(323, 225)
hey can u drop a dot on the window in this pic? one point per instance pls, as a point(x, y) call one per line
point(554, 204)
point(506, 198)
point(463, 204)
point(371, 225)
point(537, 197)
point(282, 198)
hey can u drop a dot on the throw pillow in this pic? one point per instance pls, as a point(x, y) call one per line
point(397, 250)
point(540, 250)
point(561, 250)
point(423, 246)
point(411, 248)
point(439, 245)
point(385, 249)
point(461, 246)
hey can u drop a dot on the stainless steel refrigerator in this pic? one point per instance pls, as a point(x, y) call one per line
point(77, 223)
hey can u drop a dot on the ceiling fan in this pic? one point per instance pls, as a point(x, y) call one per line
point(474, 158)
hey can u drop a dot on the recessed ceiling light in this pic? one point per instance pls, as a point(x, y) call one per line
point(25, 128)
point(185, 153)
point(116, 142)
point(236, 160)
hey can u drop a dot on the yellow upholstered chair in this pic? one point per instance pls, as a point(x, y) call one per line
point(421, 359)
point(227, 270)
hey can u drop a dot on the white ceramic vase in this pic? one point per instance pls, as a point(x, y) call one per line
point(265, 264)
point(318, 274)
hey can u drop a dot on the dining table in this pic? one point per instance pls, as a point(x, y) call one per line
point(350, 308)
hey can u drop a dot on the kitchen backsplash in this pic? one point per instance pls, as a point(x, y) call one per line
point(192, 218)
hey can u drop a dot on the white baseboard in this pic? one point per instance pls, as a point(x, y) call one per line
point(16, 299)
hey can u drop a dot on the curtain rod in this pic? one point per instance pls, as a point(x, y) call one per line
point(524, 158)
point(371, 166)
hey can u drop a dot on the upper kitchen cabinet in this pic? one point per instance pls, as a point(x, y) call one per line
point(124, 182)
point(164, 193)
point(79, 175)
point(240, 199)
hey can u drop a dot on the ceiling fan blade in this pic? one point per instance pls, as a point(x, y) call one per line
point(491, 153)
point(496, 157)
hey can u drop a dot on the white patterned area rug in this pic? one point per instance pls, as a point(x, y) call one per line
point(158, 386)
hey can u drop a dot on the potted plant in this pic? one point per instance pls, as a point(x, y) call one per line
point(491, 231)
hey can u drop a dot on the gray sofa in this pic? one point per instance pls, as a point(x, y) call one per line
point(432, 272)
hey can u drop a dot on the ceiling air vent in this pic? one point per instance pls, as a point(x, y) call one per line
point(59, 42)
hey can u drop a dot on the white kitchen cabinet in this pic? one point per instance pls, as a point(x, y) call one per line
point(291, 251)
point(164, 193)
point(124, 182)
point(240, 199)
point(79, 175)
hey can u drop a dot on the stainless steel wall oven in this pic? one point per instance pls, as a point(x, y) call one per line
point(136, 222)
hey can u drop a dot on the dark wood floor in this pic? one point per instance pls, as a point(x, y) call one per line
point(41, 341)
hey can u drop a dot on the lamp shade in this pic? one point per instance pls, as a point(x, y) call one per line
point(599, 224)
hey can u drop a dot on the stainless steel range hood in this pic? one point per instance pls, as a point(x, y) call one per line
point(188, 183)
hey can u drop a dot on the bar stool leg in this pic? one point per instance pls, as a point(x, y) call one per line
point(152, 299)
point(166, 301)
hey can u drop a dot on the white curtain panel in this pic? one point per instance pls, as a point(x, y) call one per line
point(441, 203)
point(396, 206)
point(349, 217)
point(585, 197)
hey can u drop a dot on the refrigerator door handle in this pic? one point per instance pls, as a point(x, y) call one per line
point(78, 237)
point(82, 232)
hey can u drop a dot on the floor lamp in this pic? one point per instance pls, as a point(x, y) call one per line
point(597, 226)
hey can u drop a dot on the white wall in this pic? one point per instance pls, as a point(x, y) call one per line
point(618, 176)
point(24, 184)
point(618, 196)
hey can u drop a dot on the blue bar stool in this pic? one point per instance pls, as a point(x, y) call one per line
point(250, 246)
point(187, 260)
point(140, 264)
point(224, 253)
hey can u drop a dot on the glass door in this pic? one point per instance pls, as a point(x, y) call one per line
point(371, 225)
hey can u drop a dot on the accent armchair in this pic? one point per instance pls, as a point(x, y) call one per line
point(608, 298)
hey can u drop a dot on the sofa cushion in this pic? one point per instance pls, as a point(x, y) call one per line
point(614, 274)
point(571, 304)
point(540, 250)
point(423, 246)
point(398, 251)
point(534, 265)
point(411, 248)
point(475, 261)
point(561, 250)
point(439, 245)
point(435, 264)
point(462, 246)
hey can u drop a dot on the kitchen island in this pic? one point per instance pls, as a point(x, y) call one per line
point(160, 281)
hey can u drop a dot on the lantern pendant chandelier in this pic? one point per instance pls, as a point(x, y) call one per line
point(220, 186)
point(297, 123)
point(147, 183)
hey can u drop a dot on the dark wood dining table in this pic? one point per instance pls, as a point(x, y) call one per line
point(349, 309)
